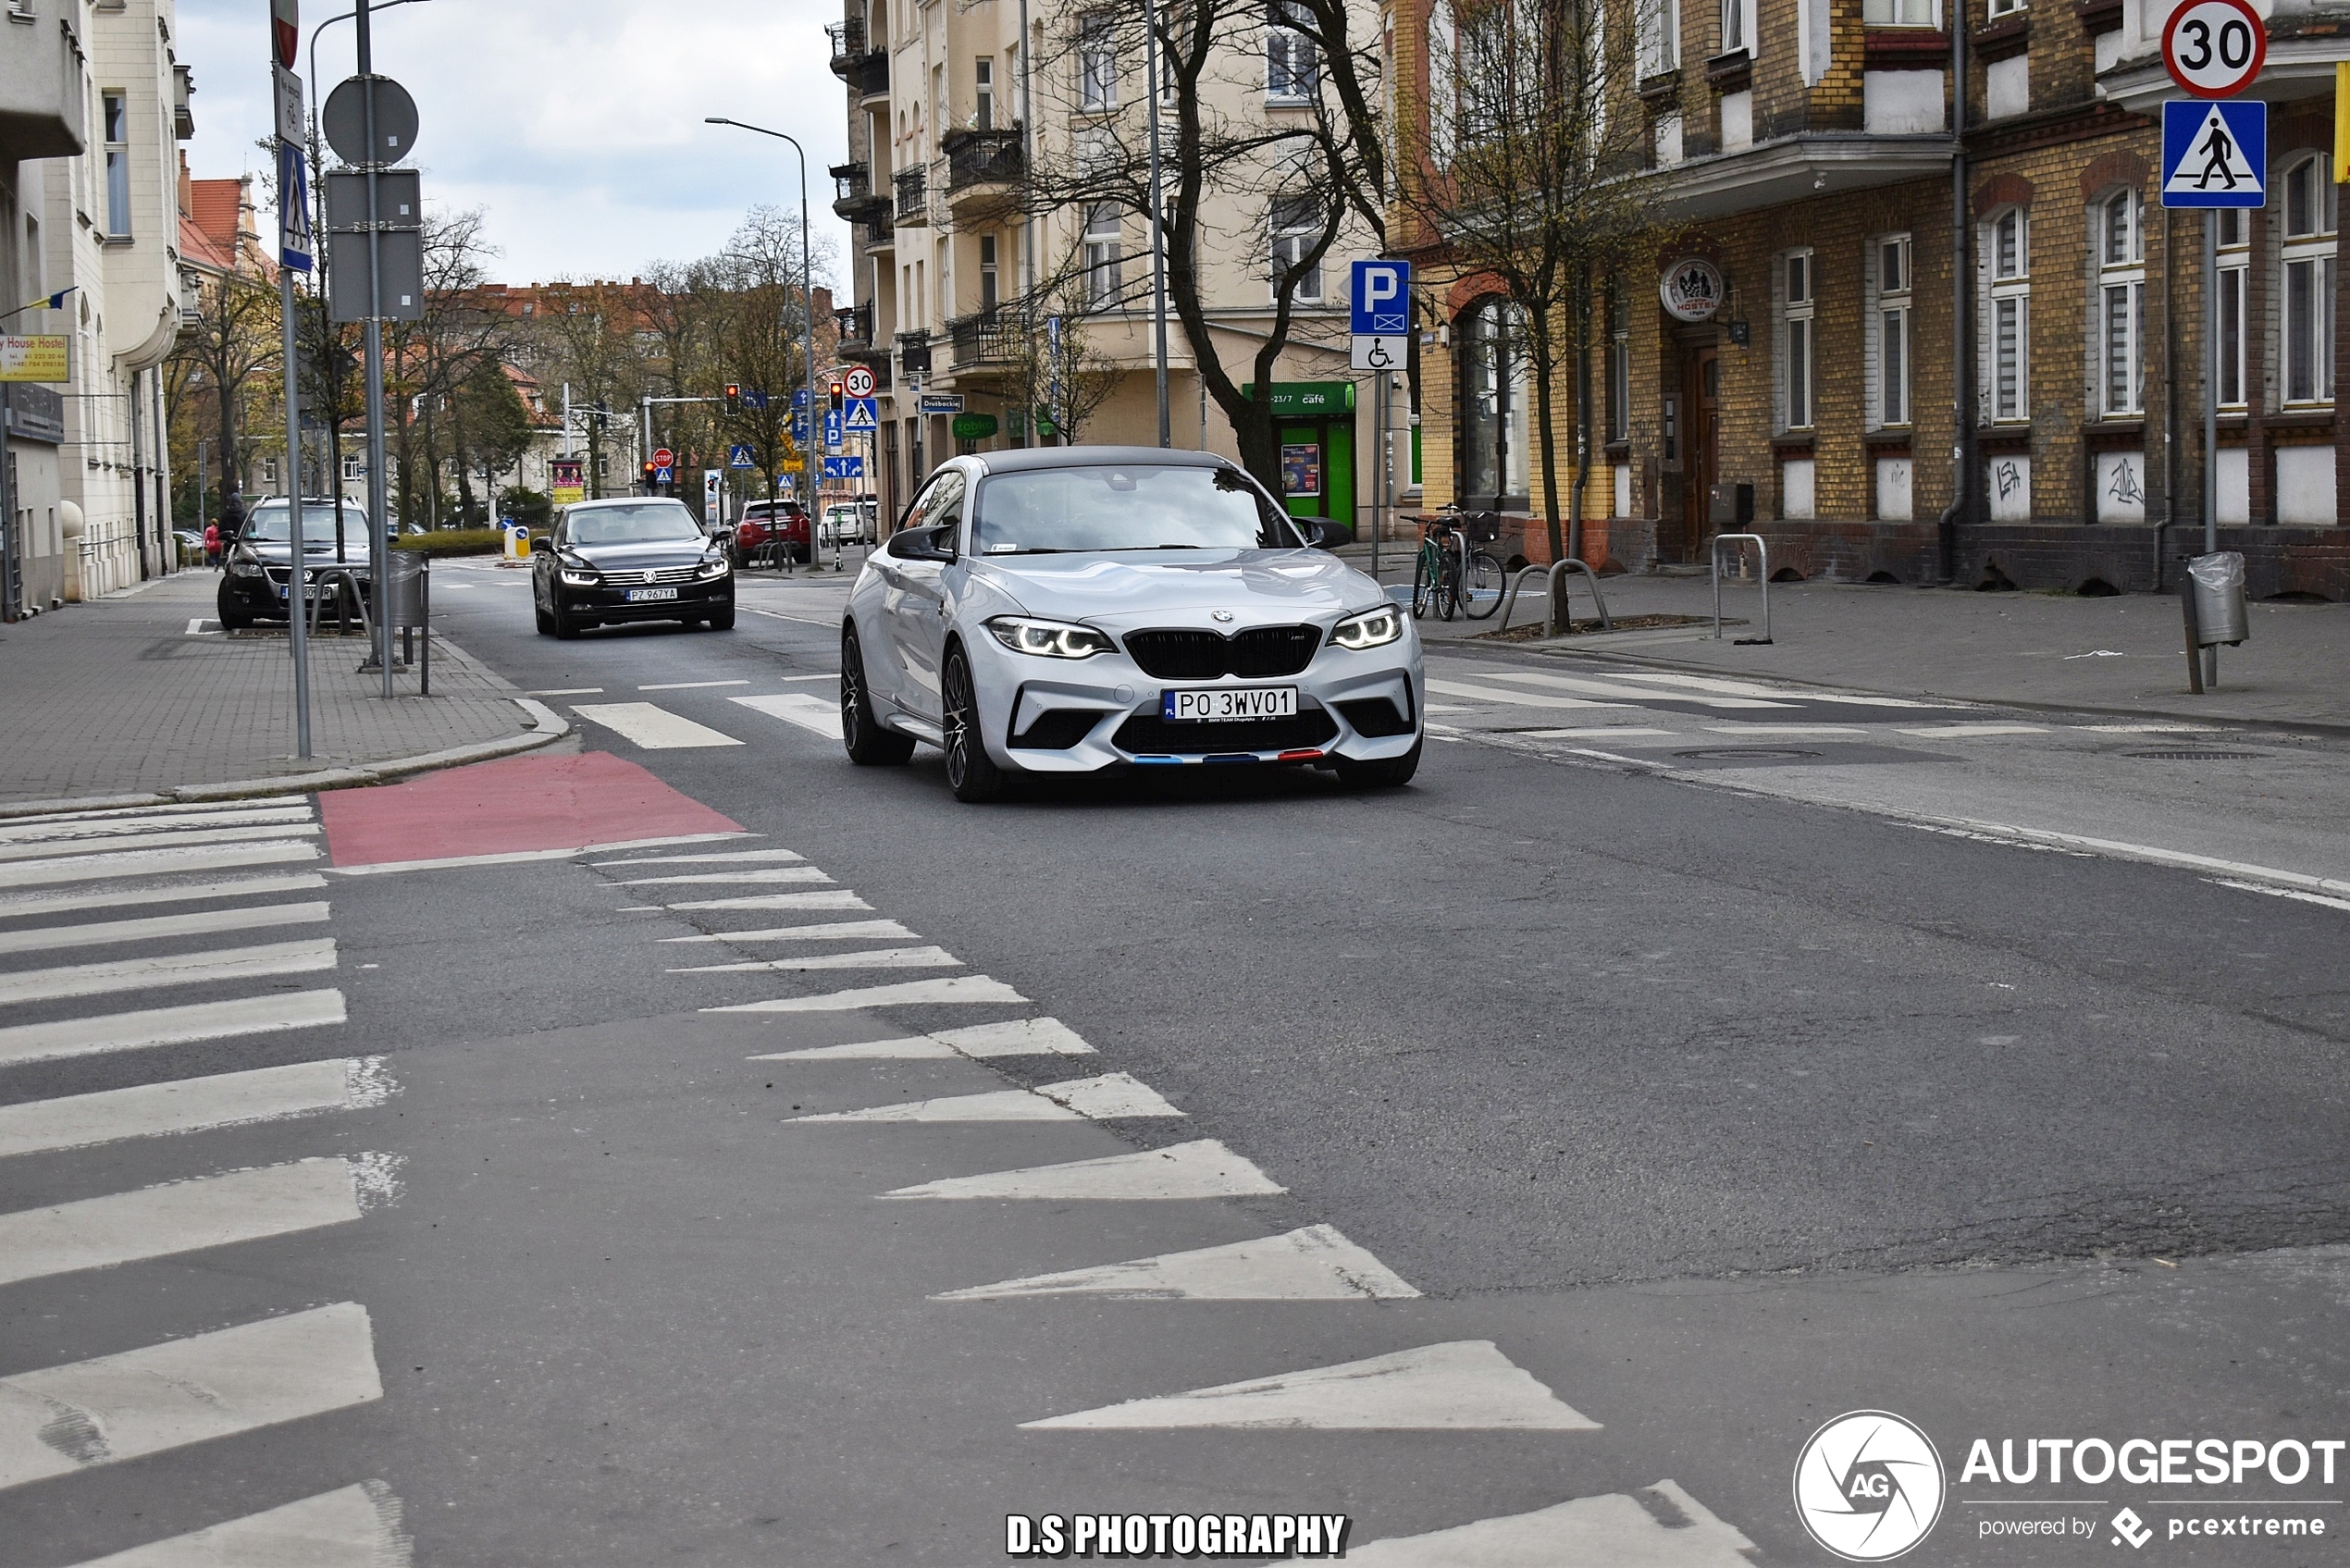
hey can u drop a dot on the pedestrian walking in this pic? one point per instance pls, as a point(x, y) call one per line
point(212, 546)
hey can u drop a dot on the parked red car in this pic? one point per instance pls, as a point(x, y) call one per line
point(768, 528)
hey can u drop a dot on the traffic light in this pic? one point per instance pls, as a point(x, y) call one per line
point(648, 478)
point(836, 397)
point(733, 398)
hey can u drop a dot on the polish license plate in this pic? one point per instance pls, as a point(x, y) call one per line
point(1201, 704)
point(646, 596)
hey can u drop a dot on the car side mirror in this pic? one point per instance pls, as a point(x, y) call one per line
point(1324, 533)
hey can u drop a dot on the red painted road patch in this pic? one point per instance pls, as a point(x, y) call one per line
point(516, 803)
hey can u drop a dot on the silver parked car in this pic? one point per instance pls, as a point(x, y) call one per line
point(1077, 609)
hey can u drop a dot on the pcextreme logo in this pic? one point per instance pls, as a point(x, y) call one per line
point(1868, 1485)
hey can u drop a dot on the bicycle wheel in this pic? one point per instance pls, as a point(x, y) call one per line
point(1454, 597)
point(1482, 587)
point(1423, 580)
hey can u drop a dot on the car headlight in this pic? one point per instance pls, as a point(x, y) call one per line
point(1373, 628)
point(580, 577)
point(243, 563)
point(715, 566)
point(1051, 640)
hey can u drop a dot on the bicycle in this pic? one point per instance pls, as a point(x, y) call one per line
point(1436, 573)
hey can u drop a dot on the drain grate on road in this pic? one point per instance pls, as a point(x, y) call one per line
point(2170, 754)
point(1747, 754)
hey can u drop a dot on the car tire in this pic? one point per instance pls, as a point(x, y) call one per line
point(233, 616)
point(723, 621)
point(1387, 773)
point(566, 628)
point(970, 772)
point(870, 745)
point(546, 621)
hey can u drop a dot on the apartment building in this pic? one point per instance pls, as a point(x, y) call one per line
point(1789, 365)
point(942, 138)
point(42, 117)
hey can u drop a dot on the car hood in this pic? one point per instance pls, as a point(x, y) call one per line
point(621, 557)
point(1124, 589)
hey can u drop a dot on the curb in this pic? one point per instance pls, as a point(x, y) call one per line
point(547, 726)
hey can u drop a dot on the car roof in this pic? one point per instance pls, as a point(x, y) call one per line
point(1025, 458)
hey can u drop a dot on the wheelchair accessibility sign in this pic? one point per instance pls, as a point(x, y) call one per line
point(2214, 153)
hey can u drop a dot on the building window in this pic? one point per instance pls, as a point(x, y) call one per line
point(2006, 8)
point(987, 285)
point(1493, 423)
point(2235, 274)
point(1660, 37)
point(1290, 67)
point(2308, 293)
point(2008, 324)
point(1619, 366)
point(1737, 27)
point(1900, 13)
point(1297, 228)
point(1890, 321)
point(1103, 253)
point(1097, 63)
point(984, 95)
point(353, 470)
point(1796, 310)
point(118, 118)
point(2121, 303)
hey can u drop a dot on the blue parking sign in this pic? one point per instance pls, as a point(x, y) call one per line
point(2214, 153)
point(1382, 298)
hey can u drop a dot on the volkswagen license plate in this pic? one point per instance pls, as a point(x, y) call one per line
point(646, 596)
point(1206, 703)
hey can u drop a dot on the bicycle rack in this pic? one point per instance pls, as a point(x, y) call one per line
point(1762, 550)
point(1558, 570)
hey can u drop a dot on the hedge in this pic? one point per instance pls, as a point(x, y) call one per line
point(454, 541)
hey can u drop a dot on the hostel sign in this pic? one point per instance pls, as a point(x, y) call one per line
point(38, 357)
point(1691, 290)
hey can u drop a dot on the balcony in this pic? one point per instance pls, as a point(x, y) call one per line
point(984, 171)
point(855, 326)
point(913, 198)
point(990, 338)
point(41, 107)
point(854, 199)
point(867, 70)
point(877, 236)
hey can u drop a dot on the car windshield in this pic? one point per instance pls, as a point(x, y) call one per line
point(653, 523)
point(1138, 506)
point(274, 524)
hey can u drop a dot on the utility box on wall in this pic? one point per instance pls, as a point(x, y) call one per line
point(1731, 503)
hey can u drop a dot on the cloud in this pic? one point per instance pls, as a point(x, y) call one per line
point(576, 125)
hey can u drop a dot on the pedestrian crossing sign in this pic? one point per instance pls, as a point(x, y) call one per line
point(2214, 153)
point(863, 414)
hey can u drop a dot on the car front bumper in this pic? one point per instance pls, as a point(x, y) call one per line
point(1076, 716)
point(695, 599)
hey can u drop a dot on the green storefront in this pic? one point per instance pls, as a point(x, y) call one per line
point(1314, 429)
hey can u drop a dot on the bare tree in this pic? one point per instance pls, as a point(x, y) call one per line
point(1530, 178)
point(760, 315)
point(429, 359)
point(586, 336)
point(1052, 351)
point(224, 360)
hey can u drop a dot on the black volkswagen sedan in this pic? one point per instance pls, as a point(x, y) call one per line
point(260, 562)
point(636, 557)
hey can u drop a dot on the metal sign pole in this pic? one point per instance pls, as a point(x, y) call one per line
point(298, 574)
point(2210, 410)
point(379, 519)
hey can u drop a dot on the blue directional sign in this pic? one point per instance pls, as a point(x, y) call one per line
point(845, 467)
point(739, 456)
point(799, 428)
point(1382, 298)
point(832, 429)
point(2213, 153)
point(754, 399)
point(862, 414)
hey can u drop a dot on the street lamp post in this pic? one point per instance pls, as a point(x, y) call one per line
point(808, 324)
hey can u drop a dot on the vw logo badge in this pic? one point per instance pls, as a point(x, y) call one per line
point(1868, 1485)
point(651, 575)
point(1224, 615)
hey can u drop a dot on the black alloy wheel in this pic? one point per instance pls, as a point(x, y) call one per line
point(970, 772)
point(869, 744)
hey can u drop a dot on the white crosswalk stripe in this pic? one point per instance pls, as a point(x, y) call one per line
point(1316, 1264)
point(177, 808)
point(839, 930)
point(870, 958)
point(804, 708)
point(726, 858)
point(170, 1026)
point(1104, 1098)
point(179, 969)
point(194, 1104)
point(956, 989)
point(211, 921)
point(1021, 1037)
point(50, 829)
point(153, 862)
point(705, 879)
point(1660, 1526)
point(174, 839)
point(351, 1527)
point(651, 726)
point(1617, 691)
point(1204, 1169)
point(180, 1216)
point(61, 1419)
point(1464, 1386)
point(34, 904)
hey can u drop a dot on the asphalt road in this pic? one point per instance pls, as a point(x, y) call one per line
point(1715, 1093)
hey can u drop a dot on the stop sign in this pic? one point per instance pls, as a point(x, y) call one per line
point(664, 457)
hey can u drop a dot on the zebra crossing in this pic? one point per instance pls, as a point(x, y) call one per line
point(1448, 1386)
point(76, 940)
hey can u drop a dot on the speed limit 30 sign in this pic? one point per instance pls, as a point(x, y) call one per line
point(2215, 48)
point(859, 382)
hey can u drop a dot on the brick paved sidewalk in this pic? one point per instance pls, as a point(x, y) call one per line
point(117, 697)
point(2123, 654)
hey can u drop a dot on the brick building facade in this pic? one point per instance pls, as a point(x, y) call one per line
point(1804, 148)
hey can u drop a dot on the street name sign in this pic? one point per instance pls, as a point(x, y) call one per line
point(2215, 48)
point(1382, 314)
point(943, 403)
point(2213, 154)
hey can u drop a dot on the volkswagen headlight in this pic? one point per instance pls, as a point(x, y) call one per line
point(580, 576)
point(713, 567)
point(1373, 628)
point(1050, 639)
point(242, 562)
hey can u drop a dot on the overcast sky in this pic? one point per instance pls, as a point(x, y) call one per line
point(574, 125)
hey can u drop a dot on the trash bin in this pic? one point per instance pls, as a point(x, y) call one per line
point(2220, 614)
point(410, 588)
